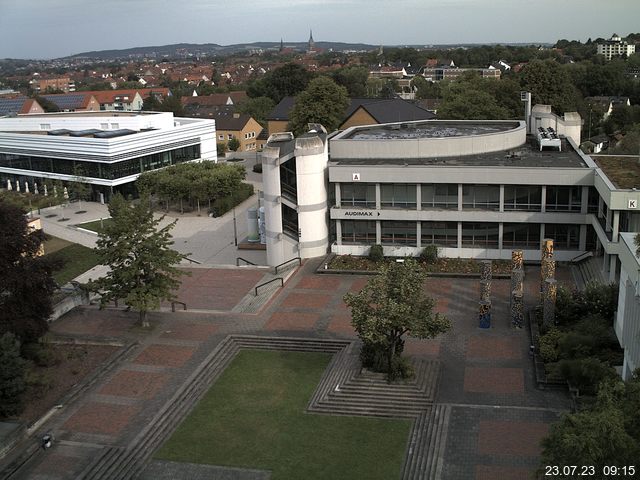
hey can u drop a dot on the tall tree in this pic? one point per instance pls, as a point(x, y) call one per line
point(354, 79)
point(259, 108)
point(12, 370)
point(288, 80)
point(322, 102)
point(391, 305)
point(550, 84)
point(26, 284)
point(138, 252)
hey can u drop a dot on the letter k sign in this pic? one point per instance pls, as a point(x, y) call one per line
point(633, 203)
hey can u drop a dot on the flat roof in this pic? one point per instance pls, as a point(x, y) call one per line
point(527, 155)
point(434, 129)
point(623, 171)
point(101, 113)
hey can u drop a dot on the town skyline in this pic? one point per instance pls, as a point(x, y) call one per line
point(31, 30)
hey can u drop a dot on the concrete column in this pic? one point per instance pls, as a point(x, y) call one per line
point(609, 221)
point(378, 197)
point(418, 197)
point(541, 233)
point(338, 195)
point(543, 201)
point(583, 238)
point(613, 264)
point(500, 235)
point(584, 206)
point(339, 232)
point(459, 197)
point(459, 234)
point(378, 232)
point(501, 199)
point(419, 234)
point(616, 226)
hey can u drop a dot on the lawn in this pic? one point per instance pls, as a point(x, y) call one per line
point(76, 259)
point(95, 226)
point(254, 417)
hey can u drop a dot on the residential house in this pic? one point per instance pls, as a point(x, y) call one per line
point(74, 102)
point(615, 47)
point(241, 126)
point(19, 105)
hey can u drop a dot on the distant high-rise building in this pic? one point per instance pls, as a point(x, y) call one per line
point(615, 47)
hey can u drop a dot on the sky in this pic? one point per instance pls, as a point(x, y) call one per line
point(55, 28)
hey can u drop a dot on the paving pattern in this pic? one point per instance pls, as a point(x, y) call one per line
point(485, 420)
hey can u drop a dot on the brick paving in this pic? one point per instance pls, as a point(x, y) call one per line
point(165, 355)
point(498, 416)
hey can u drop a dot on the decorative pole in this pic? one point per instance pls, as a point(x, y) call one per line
point(549, 302)
point(547, 264)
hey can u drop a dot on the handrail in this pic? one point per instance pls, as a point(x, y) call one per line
point(192, 260)
point(244, 260)
point(173, 305)
point(288, 261)
point(267, 283)
point(577, 258)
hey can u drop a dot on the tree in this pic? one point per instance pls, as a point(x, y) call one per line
point(233, 144)
point(26, 284)
point(288, 80)
point(12, 370)
point(259, 108)
point(80, 187)
point(354, 79)
point(391, 305)
point(322, 102)
point(602, 435)
point(550, 84)
point(142, 265)
point(462, 101)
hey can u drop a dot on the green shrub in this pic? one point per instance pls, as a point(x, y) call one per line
point(12, 373)
point(376, 253)
point(429, 254)
point(585, 374)
point(549, 345)
point(41, 354)
point(39, 383)
point(222, 205)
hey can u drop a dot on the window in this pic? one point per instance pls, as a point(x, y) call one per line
point(290, 222)
point(398, 195)
point(398, 233)
point(220, 137)
point(564, 199)
point(115, 126)
point(230, 136)
point(288, 179)
point(358, 232)
point(527, 198)
point(358, 195)
point(521, 235)
point(481, 197)
point(45, 126)
point(104, 126)
point(444, 234)
point(443, 196)
point(565, 237)
point(480, 235)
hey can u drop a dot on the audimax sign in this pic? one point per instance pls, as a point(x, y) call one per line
point(361, 213)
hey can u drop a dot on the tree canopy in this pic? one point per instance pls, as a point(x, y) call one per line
point(26, 284)
point(288, 80)
point(391, 305)
point(138, 252)
point(12, 371)
point(323, 102)
point(550, 84)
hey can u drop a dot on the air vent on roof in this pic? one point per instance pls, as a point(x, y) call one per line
point(548, 138)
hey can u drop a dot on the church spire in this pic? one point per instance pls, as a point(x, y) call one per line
point(281, 45)
point(311, 47)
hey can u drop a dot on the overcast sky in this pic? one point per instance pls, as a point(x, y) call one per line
point(55, 28)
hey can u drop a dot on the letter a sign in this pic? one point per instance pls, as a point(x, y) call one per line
point(356, 177)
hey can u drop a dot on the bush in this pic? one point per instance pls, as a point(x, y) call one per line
point(40, 354)
point(549, 345)
point(429, 254)
point(220, 206)
point(585, 374)
point(39, 383)
point(12, 373)
point(376, 253)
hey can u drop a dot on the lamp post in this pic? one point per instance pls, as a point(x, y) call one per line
point(235, 228)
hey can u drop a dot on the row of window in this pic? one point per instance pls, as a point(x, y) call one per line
point(109, 171)
point(474, 197)
point(474, 234)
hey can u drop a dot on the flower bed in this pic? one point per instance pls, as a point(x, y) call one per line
point(441, 265)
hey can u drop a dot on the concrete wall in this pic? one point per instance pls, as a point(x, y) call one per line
point(627, 321)
point(343, 147)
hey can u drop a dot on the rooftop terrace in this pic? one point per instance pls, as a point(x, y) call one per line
point(434, 129)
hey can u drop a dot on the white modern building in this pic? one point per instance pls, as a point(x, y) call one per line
point(615, 47)
point(109, 150)
point(627, 323)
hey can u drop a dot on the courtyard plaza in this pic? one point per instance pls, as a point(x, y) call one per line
point(486, 380)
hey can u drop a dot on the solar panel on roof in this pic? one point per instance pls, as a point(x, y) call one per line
point(59, 131)
point(84, 133)
point(66, 102)
point(11, 105)
point(114, 133)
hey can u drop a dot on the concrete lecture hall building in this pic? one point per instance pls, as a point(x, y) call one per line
point(108, 149)
point(477, 189)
